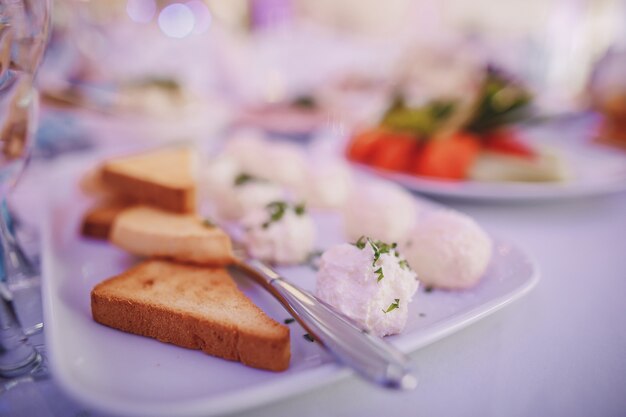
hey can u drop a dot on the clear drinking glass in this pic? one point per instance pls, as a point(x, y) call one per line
point(24, 27)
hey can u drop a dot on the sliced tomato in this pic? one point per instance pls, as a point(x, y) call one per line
point(506, 141)
point(362, 146)
point(396, 152)
point(448, 157)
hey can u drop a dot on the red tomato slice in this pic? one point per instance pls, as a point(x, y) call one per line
point(506, 142)
point(396, 152)
point(449, 158)
point(363, 145)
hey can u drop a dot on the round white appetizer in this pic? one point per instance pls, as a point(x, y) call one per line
point(370, 282)
point(328, 183)
point(448, 250)
point(248, 149)
point(234, 196)
point(280, 232)
point(381, 210)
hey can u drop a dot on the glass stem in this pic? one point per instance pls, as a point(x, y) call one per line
point(17, 356)
point(16, 267)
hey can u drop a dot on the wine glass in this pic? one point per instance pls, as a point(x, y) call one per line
point(24, 27)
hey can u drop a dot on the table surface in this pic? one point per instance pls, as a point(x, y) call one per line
point(559, 351)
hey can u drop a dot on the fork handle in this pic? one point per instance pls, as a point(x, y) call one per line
point(371, 357)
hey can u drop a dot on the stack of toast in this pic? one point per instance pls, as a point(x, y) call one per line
point(182, 294)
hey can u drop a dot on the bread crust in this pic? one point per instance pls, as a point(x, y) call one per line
point(128, 302)
point(98, 221)
point(162, 178)
point(175, 199)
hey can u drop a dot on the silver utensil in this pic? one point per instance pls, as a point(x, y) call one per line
point(371, 357)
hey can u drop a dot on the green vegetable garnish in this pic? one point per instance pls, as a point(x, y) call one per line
point(379, 271)
point(277, 210)
point(422, 121)
point(304, 102)
point(206, 222)
point(244, 178)
point(308, 337)
point(380, 248)
point(289, 320)
point(393, 306)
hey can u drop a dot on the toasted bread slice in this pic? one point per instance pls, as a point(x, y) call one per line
point(193, 307)
point(162, 178)
point(98, 220)
point(151, 232)
point(92, 184)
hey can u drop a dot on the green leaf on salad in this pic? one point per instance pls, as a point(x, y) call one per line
point(423, 120)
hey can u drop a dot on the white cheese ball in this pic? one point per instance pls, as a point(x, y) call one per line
point(347, 281)
point(448, 250)
point(380, 210)
point(220, 173)
point(328, 183)
point(248, 149)
point(232, 201)
point(285, 163)
point(286, 241)
point(237, 201)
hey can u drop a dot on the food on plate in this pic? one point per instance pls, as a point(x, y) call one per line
point(278, 161)
point(381, 210)
point(193, 307)
point(149, 231)
point(281, 232)
point(368, 281)
point(98, 221)
point(328, 182)
point(163, 178)
point(448, 138)
point(322, 181)
point(493, 166)
point(234, 193)
point(448, 250)
point(92, 184)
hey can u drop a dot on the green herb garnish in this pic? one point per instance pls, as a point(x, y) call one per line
point(404, 264)
point(393, 306)
point(206, 222)
point(304, 102)
point(300, 209)
point(289, 320)
point(379, 248)
point(244, 178)
point(308, 337)
point(379, 271)
point(277, 210)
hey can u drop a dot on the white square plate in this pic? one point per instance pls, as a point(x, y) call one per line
point(127, 374)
